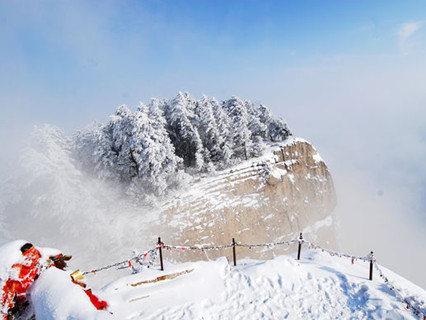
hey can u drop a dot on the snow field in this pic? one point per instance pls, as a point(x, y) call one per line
point(317, 287)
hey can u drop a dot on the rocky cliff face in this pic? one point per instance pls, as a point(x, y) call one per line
point(273, 198)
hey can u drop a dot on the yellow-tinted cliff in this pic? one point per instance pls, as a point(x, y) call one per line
point(273, 198)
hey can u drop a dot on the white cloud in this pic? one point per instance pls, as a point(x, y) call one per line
point(407, 30)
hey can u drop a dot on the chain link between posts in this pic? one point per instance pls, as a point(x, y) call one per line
point(411, 304)
point(148, 257)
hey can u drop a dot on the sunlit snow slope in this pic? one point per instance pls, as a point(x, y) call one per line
point(319, 286)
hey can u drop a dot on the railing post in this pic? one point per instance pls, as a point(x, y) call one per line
point(300, 246)
point(371, 265)
point(160, 248)
point(233, 252)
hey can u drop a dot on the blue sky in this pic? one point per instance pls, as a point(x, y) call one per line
point(89, 57)
point(348, 76)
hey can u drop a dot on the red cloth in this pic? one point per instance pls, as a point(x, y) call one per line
point(22, 275)
point(99, 304)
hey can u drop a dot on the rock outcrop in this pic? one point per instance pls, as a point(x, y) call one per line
point(263, 200)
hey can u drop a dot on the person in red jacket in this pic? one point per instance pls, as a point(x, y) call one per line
point(22, 275)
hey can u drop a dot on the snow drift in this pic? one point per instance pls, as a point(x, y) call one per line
point(319, 286)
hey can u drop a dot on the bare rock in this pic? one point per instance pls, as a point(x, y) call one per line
point(263, 200)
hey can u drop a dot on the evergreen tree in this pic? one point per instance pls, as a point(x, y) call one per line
point(208, 131)
point(184, 135)
point(255, 125)
point(223, 123)
point(240, 133)
point(165, 163)
point(121, 128)
point(257, 129)
point(276, 128)
point(105, 155)
point(146, 149)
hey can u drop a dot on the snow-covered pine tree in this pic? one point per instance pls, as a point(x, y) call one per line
point(277, 129)
point(166, 163)
point(183, 132)
point(93, 148)
point(257, 129)
point(121, 127)
point(105, 155)
point(148, 151)
point(240, 133)
point(208, 131)
point(223, 123)
point(255, 125)
point(138, 147)
point(145, 150)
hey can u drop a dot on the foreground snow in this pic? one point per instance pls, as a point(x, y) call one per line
point(317, 287)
